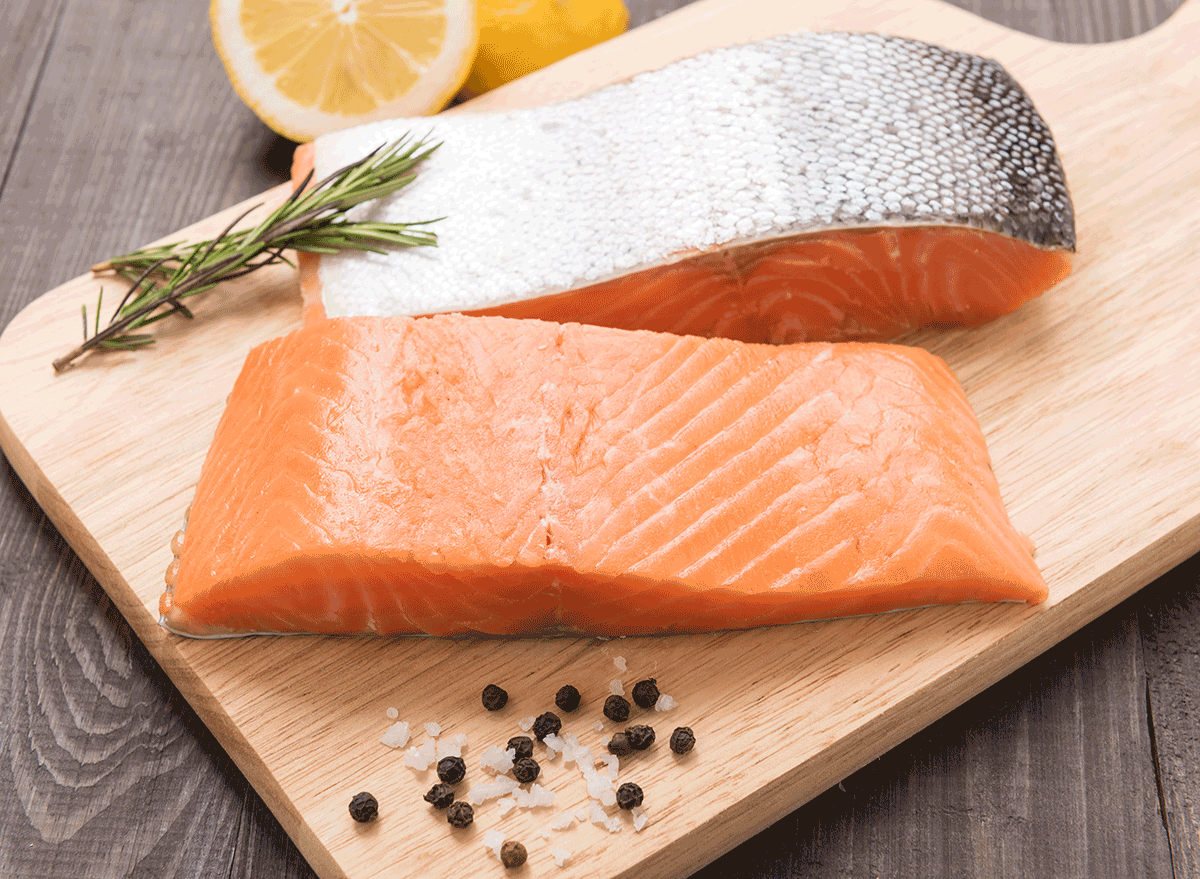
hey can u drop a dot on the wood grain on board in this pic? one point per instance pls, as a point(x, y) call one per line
point(309, 729)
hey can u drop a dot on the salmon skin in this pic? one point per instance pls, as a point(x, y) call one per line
point(458, 475)
point(815, 186)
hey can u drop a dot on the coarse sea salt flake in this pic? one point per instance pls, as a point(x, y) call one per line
point(554, 745)
point(497, 760)
point(598, 726)
point(608, 797)
point(613, 824)
point(616, 687)
point(620, 663)
point(665, 703)
point(448, 748)
point(581, 814)
point(396, 735)
point(526, 723)
point(563, 821)
point(561, 856)
point(433, 729)
point(502, 786)
point(493, 839)
point(639, 821)
point(421, 756)
point(596, 814)
point(508, 803)
point(392, 713)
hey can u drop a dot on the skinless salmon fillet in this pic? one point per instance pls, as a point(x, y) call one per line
point(456, 475)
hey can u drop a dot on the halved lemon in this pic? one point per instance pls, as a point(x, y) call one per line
point(307, 67)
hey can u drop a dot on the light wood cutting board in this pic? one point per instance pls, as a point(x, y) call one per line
point(1085, 395)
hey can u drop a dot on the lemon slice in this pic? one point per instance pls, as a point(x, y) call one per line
point(517, 37)
point(311, 66)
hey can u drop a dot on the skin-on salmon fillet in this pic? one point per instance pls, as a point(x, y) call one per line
point(456, 475)
point(815, 186)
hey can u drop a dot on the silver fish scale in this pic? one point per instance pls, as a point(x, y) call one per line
point(921, 133)
point(757, 142)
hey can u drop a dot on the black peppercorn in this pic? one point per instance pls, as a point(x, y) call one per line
point(460, 815)
point(619, 745)
point(364, 807)
point(547, 724)
point(616, 708)
point(567, 698)
point(440, 796)
point(451, 770)
point(526, 769)
point(683, 740)
point(640, 737)
point(523, 745)
point(629, 795)
point(512, 854)
point(494, 698)
point(645, 693)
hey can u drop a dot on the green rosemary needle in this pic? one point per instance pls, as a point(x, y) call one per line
point(313, 219)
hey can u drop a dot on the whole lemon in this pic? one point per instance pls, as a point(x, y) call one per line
point(517, 37)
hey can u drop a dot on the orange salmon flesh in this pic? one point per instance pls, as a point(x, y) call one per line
point(456, 475)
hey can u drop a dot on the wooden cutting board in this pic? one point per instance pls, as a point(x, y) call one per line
point(1086, 398)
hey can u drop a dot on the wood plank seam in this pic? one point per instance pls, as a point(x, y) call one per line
point(1158, 777)
point(32, 99)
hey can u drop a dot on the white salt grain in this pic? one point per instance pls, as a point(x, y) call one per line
point(561, 856)
point(448, 748)
point(508, 803)
point(433, 729)
point(613, 824)
point(616, 687)
point(498, 760)
point(598, 726)
point(581, 814)
point(554, 745)
point(639, 819)
point(608, 798)
point(493, 839)
point(596, 814)
point(620, 663)
point(420, 757)
point(613, 764)
point(563, 821)
point(502, 786)
point(396, 736)
point(526, 723)
point(665, 703)
point(544, 833)
point(392, 713)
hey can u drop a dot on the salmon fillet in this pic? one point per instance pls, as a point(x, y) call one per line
point(810, 187)
point(455, 475)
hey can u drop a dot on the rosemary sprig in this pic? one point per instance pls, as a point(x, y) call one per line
point(311, 220)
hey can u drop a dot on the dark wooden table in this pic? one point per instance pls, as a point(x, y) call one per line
point(117, 126)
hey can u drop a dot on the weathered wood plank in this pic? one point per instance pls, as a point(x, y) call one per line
point(28, 27)
point(1170, 620)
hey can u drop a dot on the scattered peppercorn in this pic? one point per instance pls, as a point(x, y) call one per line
point(460, 815)
point(452, 770)
point(616, 708)
point(526, 769)
point(567, 698)
point(683, 740)
point(364, 808)
point(440, 796)
point(645, 693)
point(512, 854)
point(629, 795)
point(619, 745)
point(523, 745)
point(640, 737)
point(494, 698)
point(547, 724)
